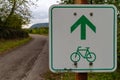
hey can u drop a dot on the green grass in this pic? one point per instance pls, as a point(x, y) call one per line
point(6, 45)
point(104, 76)
point(59, 76)
point(91, 76)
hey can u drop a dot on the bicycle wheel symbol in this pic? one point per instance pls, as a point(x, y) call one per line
point(91, 57)
point(75, 57)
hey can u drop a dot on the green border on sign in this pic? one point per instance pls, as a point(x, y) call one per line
point(114, 37)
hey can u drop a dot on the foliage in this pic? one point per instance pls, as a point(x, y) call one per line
point(13, 14)
point(67, 2)
point(12, 11)
point(118, 46)
point(15, 22)
point(92, 2)
point(12, 33)
point(104, 76)
point(41, 30)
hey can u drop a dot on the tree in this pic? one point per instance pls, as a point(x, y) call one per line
point(13, 12)
point(66, 2)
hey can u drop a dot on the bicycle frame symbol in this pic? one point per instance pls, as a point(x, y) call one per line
point(89, 56)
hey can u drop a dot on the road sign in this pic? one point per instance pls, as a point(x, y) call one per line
point(82, 38)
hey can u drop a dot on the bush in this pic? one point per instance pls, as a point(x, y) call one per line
point(12, 33)
point(41, 30)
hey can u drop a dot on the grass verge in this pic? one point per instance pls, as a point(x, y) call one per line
point(91, 76)
point(59, 76)
point(104, 76)
point(6, 45)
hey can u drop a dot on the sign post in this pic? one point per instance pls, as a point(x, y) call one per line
point(82, 39)
point(82, 76)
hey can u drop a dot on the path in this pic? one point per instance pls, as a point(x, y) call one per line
point(27, 62)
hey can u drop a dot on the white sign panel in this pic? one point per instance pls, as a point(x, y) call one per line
point(83, 38)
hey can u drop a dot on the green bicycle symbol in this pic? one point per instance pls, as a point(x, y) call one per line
point(89, 56)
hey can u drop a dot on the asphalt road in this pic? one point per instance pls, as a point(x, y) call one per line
point(27, 62)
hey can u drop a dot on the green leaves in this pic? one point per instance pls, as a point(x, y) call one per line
point(41, 31)
point(13, 12)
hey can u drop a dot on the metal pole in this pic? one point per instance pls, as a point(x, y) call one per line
point(81, 76)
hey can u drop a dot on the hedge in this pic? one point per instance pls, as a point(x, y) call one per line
point(12, 33)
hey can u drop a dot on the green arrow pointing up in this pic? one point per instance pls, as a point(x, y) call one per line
point(83, 21)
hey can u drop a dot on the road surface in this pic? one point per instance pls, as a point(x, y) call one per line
point(27, 62)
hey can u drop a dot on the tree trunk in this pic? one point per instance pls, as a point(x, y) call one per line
point(11, 13)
